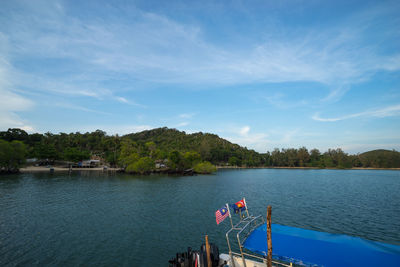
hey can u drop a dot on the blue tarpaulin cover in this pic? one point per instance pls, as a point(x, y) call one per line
point(314, 248)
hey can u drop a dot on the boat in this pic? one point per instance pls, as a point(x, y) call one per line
point(247, 242)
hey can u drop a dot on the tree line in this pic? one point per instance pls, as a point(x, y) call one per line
point(333, 158)
point(172, 149)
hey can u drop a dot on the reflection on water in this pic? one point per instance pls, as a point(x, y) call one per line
point(108, 218)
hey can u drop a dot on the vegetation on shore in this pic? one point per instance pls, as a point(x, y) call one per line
point(170, 150)
point(12, 156)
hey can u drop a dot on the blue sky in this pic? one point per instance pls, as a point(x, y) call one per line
point(263, 74)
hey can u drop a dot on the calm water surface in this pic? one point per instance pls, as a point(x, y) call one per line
point(95, 219)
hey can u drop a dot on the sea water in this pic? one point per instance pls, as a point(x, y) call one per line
point(108, 219)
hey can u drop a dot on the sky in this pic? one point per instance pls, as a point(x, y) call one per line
point(262, 74)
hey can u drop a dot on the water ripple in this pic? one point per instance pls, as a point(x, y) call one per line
point(95, 219)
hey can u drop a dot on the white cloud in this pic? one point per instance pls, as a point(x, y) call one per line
point(12, 120)
point(392, 64)
point(256, 141)
point(244, 137)
point(244, 131)
point(10, 102)
point(336, 93)
point(281, 101)
point(77, 107)
point(122, 99)
point(128, 102)
point(377, 113)
point(288, 136)
point(186, 115)
point(265, 141)
point(182, 124)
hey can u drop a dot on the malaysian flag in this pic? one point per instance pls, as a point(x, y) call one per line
point(221, 214)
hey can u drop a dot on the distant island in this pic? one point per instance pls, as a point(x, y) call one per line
point(167, 150)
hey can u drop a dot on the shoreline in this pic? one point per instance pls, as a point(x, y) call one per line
point(36, 169)
point(62, 169)
point(305, 168)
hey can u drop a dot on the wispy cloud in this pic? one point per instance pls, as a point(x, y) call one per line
point(158, 49)
point(129, 102)
point(12, 120)
point(336, 93)
point(72, 86)
point(77, 107)
point(244, 131)
point(185, 119)
point(287, 137)
point(245, 137)
point(186, 115)
point(281, 101)
point(122, 99)
point(10, 102)
point(378, 113)
point(182, 124)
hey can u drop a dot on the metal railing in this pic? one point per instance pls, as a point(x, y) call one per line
point(244, 228)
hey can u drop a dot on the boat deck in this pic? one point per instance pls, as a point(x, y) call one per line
point(313, 248)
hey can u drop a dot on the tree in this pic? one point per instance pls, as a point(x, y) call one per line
point(234, 161)
point(191, 158)
point(344, 161)
point(12, 155)
point(291, 157)
point(143, 165)
point(315, 157)
point(45, 151)
point(328, 161)
point(75, 155)
point(151, 147)
point(129, 153)
point(277, 158)
point(128, 147)
point(175, 160)
point(14, 134)
point(204, 167)
point(303, 156)
point(34, 139)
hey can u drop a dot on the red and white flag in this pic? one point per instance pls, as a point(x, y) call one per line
point(241, 204)
point(221, 214)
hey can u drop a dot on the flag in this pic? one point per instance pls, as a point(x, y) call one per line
point(221, 214)
point(239, 206)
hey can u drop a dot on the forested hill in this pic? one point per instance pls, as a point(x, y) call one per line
point(381, 158)
point(210, 146)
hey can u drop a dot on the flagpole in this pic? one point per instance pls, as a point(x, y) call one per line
point(247, 210)
point(229, 212)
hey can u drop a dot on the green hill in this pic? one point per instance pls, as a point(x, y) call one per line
point(210, 146)
point(380, 158)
